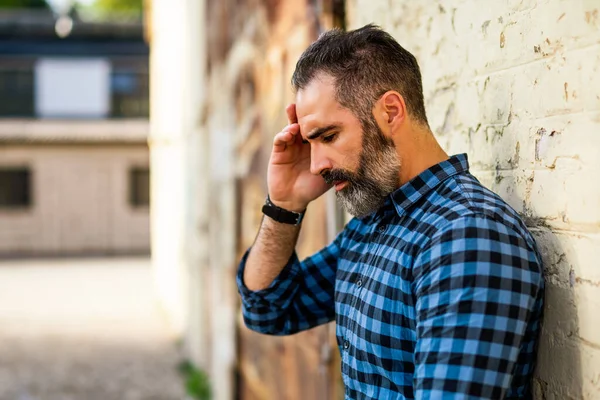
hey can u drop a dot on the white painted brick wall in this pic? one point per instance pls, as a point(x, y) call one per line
point(516, 85)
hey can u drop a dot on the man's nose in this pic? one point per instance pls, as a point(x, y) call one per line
point(318, 162)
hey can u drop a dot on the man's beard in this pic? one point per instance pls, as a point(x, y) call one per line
point(377, 175)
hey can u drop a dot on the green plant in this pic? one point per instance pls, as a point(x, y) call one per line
point(197, 384)
point(23, 4)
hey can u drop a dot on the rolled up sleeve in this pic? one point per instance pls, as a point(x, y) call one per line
point(300, 297)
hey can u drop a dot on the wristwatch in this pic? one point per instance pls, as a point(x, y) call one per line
point(280, 214)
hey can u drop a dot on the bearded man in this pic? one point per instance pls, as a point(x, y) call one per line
point(436, 285)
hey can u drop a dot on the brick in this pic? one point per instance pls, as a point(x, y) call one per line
point(558, 357)
point(588, 303)
point(558, 85)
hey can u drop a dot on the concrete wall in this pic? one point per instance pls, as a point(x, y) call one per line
point(516, 85)
point(80, 201)
point(179, 158)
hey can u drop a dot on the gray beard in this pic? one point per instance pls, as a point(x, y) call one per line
point(376, 177)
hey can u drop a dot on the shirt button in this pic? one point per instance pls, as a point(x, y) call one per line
point(382, 228)
point(346, 344)
point(359, 283)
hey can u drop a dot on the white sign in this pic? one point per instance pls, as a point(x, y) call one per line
point(72, 88)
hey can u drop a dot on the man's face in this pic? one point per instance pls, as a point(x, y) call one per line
point(353, 156)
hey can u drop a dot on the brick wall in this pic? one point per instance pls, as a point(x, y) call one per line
point(516, 85)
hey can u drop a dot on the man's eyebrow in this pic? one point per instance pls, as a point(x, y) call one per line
point(315, 133)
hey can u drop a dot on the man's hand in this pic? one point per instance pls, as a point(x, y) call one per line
point(290, 182)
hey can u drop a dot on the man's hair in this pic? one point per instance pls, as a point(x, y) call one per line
point(364, 63)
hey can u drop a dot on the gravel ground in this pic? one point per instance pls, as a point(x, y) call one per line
point(84, 329)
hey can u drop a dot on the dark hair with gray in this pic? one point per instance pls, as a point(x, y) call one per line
point(364, 63)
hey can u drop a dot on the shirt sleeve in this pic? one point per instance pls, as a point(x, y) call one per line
point(477, 285)
point(301, 297)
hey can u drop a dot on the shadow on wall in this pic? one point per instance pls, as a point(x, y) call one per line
point(558, 372)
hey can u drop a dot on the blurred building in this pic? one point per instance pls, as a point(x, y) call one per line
point(74, 163)
point(514, 84)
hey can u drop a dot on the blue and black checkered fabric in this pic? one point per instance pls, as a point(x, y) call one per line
point(437, 295)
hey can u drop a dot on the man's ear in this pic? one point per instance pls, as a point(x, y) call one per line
point(390, 112)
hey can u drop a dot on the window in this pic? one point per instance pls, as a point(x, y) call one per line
point(130, 93)
point(16, 92)
point(74, 88)
point(15, 187)
point(139, 187)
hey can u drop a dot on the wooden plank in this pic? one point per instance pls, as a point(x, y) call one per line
point(253, 47)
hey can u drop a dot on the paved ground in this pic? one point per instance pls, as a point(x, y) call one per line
point(83, 330)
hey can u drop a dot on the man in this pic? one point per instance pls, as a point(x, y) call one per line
point(436, 285)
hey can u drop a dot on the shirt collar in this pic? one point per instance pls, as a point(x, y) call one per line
point(409, 193)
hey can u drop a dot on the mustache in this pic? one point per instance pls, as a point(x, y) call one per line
point(336, 175)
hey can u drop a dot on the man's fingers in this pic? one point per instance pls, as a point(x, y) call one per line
point(290, 110)
point(282, 138)
point(287, 136)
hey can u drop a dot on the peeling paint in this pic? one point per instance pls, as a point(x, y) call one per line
point(587, 282)
point(539, 145)
point(502, 40)
point(514, 160)
point(484, 26)
point(591, 17)
point(447, 119)
point(572, 277)
point(527, 198)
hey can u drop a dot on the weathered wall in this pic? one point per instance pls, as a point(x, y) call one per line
point(220, 75)
point(80, 201)
point(252, 50)
point(516, 85)
point(178, 156)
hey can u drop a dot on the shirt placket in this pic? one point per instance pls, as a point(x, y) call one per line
point(365, 263)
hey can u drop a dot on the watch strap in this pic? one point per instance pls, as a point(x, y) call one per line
point(281, 214)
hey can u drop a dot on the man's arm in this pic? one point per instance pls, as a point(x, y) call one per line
point(299, 297)
point(280, 295)
point(270, 253)
point(478, 288)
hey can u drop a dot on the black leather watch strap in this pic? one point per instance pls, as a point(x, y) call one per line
point(280, 214)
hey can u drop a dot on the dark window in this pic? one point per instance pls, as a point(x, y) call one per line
point(15, 187)
point(16, 92)
point(130, 94)
point(139, 187)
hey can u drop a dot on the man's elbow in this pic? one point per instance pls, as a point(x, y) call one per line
point(275, 327)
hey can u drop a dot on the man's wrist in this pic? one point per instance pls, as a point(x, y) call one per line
point(281, 214)
point(289, 206)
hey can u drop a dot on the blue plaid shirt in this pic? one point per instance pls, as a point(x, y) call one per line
point(437, 295)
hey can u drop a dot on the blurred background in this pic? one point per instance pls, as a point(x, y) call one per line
point(134, 140)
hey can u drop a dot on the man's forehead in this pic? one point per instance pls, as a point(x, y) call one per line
point(318, 95)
